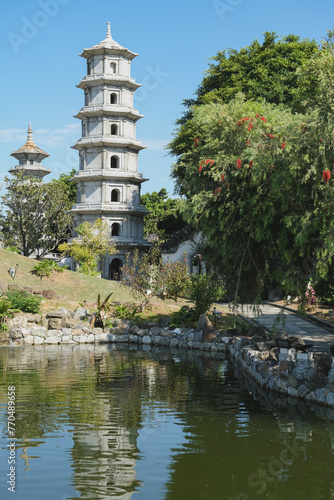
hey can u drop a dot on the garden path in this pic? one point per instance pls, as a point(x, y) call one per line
point(318, 333)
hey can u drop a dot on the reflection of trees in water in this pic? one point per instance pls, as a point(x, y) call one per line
point(106, 393)
point(270, 447)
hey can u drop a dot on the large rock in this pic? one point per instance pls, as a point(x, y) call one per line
point(80, 313)
point(57, 323)
point(29, 340)
point(105, 337)
point(56, 314)
point(34, 318)
point(49, 294)
point(38, 331)
point(52, 340)
point(322, 361)
point(17, 321)
point(16, 333)
point(55, 333)
point(206, 326)
point(123, 328)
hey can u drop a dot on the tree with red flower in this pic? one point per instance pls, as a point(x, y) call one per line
point(326, 175)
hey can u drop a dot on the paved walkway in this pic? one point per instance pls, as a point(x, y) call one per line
point(320, 337)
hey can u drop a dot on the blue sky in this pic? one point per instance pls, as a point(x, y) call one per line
point(41, 41)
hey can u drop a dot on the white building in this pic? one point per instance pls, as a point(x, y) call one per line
point(30, 159)
point(108, 182)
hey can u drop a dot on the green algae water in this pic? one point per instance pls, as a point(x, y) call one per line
point(101, 422)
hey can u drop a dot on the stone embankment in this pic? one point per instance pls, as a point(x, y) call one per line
point(305, 375)
point(67, 327)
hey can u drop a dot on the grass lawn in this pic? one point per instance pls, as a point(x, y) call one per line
point(73, 289)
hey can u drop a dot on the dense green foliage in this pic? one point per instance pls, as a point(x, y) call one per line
point(5, 312)
point(256, 182)
point(45, 268)
point(34, 217)
point(24, 301)
point(68, 186)
point(92, 243)
point(175, 279)
point(164, 218)
point(204, 291)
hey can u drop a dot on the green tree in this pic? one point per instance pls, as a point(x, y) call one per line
point(92, 243)
point(260, 71)
point(175, 278)
point(69, 187)
point(141, 273)
point(204, 291)
point(164, 218)
point(255, 186)
point(33, 216)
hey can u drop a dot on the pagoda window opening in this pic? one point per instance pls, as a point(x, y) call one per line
point(114, 162)
point(89, 68)
point(112, 68)
point(115, 229)
point(113, 129)
point(113, 98)
point(115, 195)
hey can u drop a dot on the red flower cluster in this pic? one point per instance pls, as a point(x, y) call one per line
point(283, 145)
point(251, 125)
point(243, 120)
point(239, 163)
point(263, 119)
point(207, 161)
point(247, 142)
point(251, 163)
point(326, 175)
point(196, 142)
point(222, 178)
point(257, 115)
point(217, 190)
point(200, 168)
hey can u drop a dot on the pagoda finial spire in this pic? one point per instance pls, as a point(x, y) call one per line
point(108, 31)
point(29, 136)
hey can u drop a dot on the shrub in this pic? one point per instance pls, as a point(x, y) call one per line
point(45, 268)
point(125, 312)
point(185, 316)
point(141, 273)
point(5, 312)
point(175, 278)
point(204, 292)
point(24, 301)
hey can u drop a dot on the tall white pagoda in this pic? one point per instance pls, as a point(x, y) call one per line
point(30, 159)
point(108, 182)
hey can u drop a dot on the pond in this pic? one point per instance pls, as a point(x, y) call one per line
point(103, 422)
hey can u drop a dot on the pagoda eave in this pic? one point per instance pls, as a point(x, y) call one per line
point(93, 80)
point(111, 208)
point(107, 143)
point(109, 110)
point(113, 50)
point(108, 176)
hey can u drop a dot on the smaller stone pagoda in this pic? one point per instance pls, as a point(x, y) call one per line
point(30, 159)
